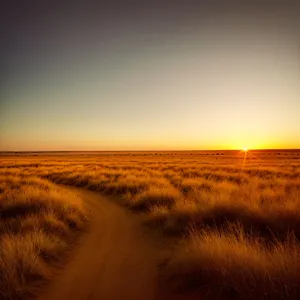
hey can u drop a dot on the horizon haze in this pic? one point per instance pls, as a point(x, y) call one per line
point(151, 76)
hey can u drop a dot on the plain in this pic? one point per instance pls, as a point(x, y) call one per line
point(231, 219)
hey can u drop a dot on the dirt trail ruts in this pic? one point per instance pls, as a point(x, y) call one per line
point(113, 260)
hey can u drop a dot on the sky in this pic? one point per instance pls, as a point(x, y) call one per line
point(150, 75)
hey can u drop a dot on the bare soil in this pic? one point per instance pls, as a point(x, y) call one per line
point(113, 260)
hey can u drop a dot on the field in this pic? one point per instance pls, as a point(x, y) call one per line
point(39, 222)
point(230, 219)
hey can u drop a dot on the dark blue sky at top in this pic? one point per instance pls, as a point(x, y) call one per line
point(50, 47)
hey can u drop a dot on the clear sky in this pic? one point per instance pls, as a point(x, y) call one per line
point(154, 76)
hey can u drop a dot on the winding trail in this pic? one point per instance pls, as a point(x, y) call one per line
point(113, 260)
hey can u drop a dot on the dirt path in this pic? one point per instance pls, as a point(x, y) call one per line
point(114, 260)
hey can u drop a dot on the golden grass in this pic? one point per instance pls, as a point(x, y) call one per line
point(230, 265)
point(236, 220)
point(155, 196)
point(38, 223)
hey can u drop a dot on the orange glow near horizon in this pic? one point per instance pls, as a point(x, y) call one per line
point(167, 82)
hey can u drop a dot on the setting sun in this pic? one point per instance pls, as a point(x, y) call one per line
point(150, 150)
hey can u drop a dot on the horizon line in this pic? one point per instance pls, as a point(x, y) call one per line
point(186, 150)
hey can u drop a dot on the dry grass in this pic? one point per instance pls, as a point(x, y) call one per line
point(155, 196)
point(230, 265)
point(38, 223)
point(236, 219)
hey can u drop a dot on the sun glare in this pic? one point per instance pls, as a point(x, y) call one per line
point(245, 149)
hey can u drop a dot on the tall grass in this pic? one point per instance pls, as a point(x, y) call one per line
point(231, 265)
point(235, 220)
point(38, 223)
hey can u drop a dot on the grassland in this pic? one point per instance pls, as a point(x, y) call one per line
point(233, 217)
point(38, 224)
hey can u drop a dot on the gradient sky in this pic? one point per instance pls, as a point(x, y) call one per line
point(151, 75)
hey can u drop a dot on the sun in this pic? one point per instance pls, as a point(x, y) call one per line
point(245, 149)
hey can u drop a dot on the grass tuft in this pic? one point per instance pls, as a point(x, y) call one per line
point(38, 223)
